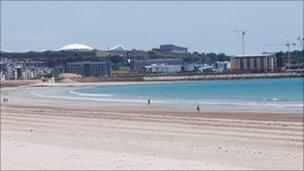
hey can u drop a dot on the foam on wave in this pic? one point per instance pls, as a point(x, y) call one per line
point(88, 94)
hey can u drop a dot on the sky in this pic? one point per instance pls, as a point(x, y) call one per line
point(202, 26)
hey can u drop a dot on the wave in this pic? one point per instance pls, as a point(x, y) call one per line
point(275, 99)
point(88, 94)
point(251, 103)
point(212, 104)
point(272, 102)
point(99, 99)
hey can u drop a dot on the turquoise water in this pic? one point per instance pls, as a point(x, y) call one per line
point(273, 94)
point(275, 89)
point(261, 95)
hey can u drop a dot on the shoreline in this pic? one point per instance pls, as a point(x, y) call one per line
point(50, 92)
point(226, 76)
point(83, 134)
point(150, 79)
point(23, 96)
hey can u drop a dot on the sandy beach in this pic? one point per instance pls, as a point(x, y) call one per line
point(46, 133)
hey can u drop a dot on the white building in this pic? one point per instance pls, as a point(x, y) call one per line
point(222, 66)
point(162, 68)
point(75, 47)
point(205, 67)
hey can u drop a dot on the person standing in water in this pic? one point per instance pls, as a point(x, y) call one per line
point(149, 101)
point(198, 108)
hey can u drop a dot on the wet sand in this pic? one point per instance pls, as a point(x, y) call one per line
point(40, 133)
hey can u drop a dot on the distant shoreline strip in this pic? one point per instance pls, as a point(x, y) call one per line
point(224, 76)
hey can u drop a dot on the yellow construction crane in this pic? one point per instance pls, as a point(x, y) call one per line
point(289, 44)
point(242, 32)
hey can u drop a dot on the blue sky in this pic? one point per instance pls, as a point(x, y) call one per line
point(201, 26)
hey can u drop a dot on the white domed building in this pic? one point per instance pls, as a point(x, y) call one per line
point(75, 47)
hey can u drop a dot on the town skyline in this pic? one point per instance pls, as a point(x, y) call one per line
point(97, 25)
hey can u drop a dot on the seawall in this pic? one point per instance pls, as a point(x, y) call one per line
point(224, 76)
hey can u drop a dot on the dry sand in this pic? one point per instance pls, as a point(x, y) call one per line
point(70, 134)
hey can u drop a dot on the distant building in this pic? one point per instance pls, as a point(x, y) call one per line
point(163, 68)
point(59, 69)
point(222, 66)
point(13, 72)
point(18, 73)
point(172, 48)
point(280, 60)
point(118, 48)
point(75, 47)
point(31, 73)
point(188, 67)
point(141, 64)
point(206, 68)
point(97, 69)
point(254, 63)
point(3, 65)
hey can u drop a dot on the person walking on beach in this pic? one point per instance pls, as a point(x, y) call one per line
point(198, 108)
point(149, 101)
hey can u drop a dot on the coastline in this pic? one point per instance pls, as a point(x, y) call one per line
point(225, 76)
point(95, 81)
point(69, 91)
point(50, 92)
point(79, 134)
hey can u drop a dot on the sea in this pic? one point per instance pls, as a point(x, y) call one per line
point(284, 95)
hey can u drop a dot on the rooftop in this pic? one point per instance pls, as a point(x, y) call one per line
point(118, 48)
point(254, 55)
point(75, 46)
